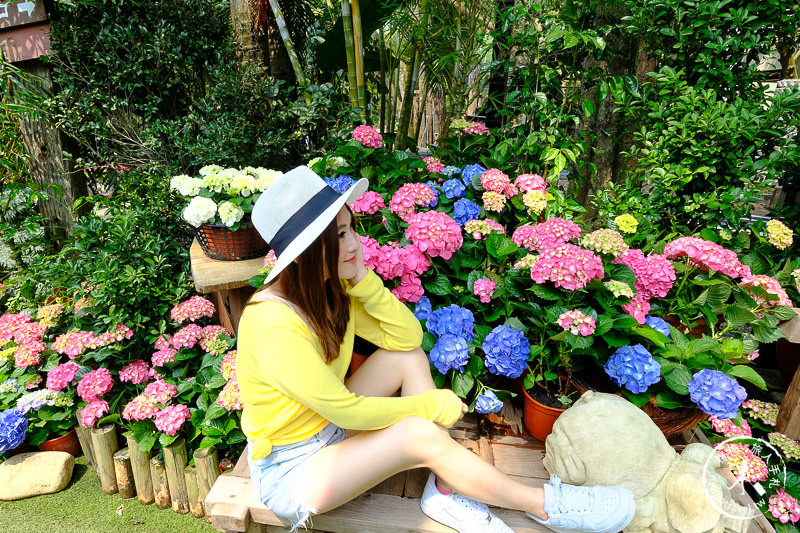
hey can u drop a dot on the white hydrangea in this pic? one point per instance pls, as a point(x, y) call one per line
point(216, 181)
point(335, 162)
point(241, 185)
point(230, 213)
point(266, 177)
point(210, 169)
point(200, 211)
point(185, 185)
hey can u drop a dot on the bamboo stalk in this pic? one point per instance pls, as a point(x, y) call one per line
point(383, 66)
point(196, 506)
point(140, 463)
point(104, 444)
point(158, 475)
point(401, 141)
point(175, 460)
point(358, 40)
point(349, 48)
point(420, 115)
point(395, 96)
point(85, 438)
point(207, 464)
point(124, 474)
point(287, 42)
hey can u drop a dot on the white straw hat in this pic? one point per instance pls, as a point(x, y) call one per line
point(295, 210)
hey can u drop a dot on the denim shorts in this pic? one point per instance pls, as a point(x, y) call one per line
point(277, 477)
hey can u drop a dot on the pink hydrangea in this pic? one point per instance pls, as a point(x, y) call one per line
point(140, 408)
point(495, 180)
point(577, 323)
point(9, 323)
point(767, 412)
point(60, 376)
point(655, 275)
point(638, 307)
point(408, 197)
point(393, 261)
point(118, 334)
point(164, 356)
point(484, 289)
point(434, 164)
point(368, 203)
point(727, 428)
point(535, 201)
point(94, 384)
point(212, 340)
point(605, 241)
point(28, 354)
point(549, 234)
point(73, 344)
point(187, 336)
point(530, 182)
point(743, 463)
point(171, 418)
point(493, 201)
point(409, 290)
point(229, 397)
point(228, 367)
point(476, 128)
point(368, 136)
point(164, 341)
point(567, 266)
point(160, 392)
point(706, 255)
point(435, 233)
point(192, 309)
point(771, 286)
point(136, 372)
point(33, 382)
point(480, 229)
point(784, 507)
point(90, 414)
point(30, 332)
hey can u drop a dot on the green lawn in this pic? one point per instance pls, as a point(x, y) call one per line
point(83, 508)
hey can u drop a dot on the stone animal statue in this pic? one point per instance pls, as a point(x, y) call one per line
point(603, 439)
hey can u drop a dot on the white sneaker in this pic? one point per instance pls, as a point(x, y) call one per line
point(459, 512)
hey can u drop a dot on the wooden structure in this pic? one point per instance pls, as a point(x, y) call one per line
point(393, 505)
point(225, 282)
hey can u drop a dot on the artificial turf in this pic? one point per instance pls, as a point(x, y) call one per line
point(83, 508)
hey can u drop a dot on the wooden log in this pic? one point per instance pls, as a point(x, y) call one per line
point(207, 465)
point(104, 444)
point(193, 492)
point(124, 474)
point(158, 476)
point(175, 460)
point(85, 438)
point(788, 421)
point(140, 464)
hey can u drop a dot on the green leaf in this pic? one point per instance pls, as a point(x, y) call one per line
point(738, 316)
point(588, 108)
point(579, 342)
point(544, 292)
point(652, 335)
point(166, 440)
point(428, 341)
point(440, 286)
point(783, 312)
point(500, 246)
point(703, 344)
point(462, 383)
point(767, 334)
point(678, 379)
point(747, 373)
point(215, 410)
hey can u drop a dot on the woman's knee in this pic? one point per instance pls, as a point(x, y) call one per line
point(422, 437)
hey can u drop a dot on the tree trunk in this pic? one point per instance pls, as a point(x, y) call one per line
point(242, 16)
point(46, 146)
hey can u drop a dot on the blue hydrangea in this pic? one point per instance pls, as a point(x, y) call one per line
point(340, 184)
point(488, 402)
point(465, 210)
point(716, 394)
point(470, 171)
point(507, 350)
point(452, 320)
point(450, 351)
point(13, 426)
point(454, 188)
point(422, 309)
point(658, 324)
point(451, 171)
point(634, 368)
point(9, 385)
point(435, 188)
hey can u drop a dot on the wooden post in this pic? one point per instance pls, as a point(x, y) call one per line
point(140, 464)
point(124, 473)
point(193, 492)
point(205, 460)
point(104, 443)
point(85, 438)
point(788, 421)
point(158, 476)
point(175, 461)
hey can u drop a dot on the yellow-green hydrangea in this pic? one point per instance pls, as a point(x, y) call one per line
point(526, 262)
point(779, 235)
point(230, 213)
point(535, 200)
point(241, 184)
point(215, 181)
point(185, 185)
point(626, 223)
point(266, 177)
point(605, 241)
point(619, 288)
point(7, 354)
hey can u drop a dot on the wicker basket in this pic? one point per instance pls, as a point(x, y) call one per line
point(218, 242)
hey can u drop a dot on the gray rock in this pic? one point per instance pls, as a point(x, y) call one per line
point(35, 473)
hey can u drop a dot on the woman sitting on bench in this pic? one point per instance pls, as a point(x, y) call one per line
point(295, 345)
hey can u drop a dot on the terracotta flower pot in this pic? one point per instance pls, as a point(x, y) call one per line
point(538, 418)
point(66, 443)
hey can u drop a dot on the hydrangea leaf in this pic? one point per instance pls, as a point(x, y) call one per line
point(650, 334)
point(500, 246)
point(747, 373)
point(677, 379)
point(544, 292)
point(166, 440)
point(440, 286)
point(603, 324)
point(579, 341)
point(428, 341)
point(215, 410)
point(462, 384)
point(767, 334)
point(738, 316)
point(783, 312)
point(637, 399)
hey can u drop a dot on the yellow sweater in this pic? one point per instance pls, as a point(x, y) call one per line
point(288, 391)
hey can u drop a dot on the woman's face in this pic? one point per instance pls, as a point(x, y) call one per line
point(349, 244)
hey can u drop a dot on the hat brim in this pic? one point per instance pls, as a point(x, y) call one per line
point(316, 227)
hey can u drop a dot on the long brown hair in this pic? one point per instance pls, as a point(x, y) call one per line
point(312, 283)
